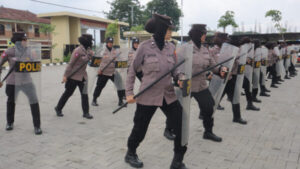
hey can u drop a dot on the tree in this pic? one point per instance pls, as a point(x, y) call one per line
point(137, 28)
point(112, 30)
point(226, 20)
point(276, 18)
point(47, 29)
point(121, 10)
point(164, 7)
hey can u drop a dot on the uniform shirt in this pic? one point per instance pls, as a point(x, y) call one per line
point(215, 52)
point(201, 60)
point(107, 57)
point(154, 63)
point(272, 57)
point(79, 57)
point(131, 56)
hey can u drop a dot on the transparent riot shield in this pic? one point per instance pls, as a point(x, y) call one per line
point(121, 65)
point(27, 72)
point(289, 58)
point(264, 63)
point(243, 54)
point(294, 54)
point(249, 66)
point(185, 51)
point(217, 84)
point(281, 62)
point(93, 67)
point(256, 68)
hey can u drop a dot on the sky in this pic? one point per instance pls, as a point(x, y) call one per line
point(247, 12)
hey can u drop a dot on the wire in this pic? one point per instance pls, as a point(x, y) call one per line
point(67, 6)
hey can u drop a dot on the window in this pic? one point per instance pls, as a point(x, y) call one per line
point(36, 32)
point(2, 29)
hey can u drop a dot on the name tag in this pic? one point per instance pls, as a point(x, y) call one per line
point(95, 61)
point(241, 69)
point(28, 66)
point(121, 64)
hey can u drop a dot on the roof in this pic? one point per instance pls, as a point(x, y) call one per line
point(20, 15)
point(81, 16)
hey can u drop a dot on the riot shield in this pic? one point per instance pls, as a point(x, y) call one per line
point(282, 69)
point(185, 51)
point(93, 67)
point(217, 84)
point(243, 54)
point(287, 63)
point(264, 63)
point(256, 68)
point(294, 54)
point(249, 66)
point(27, 72)
point(121, 66)
point(278, 53)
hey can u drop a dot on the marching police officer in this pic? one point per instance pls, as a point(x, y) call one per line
point(201, 60)
point(218, 40)
point(76, 75)
point(109, 54)
point(10, 56)
point(131, 55)
point(155, 56)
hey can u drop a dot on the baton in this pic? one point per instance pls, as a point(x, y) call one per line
point(151, 85)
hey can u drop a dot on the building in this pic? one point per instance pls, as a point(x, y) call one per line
point(69, 26)
point(13, 20)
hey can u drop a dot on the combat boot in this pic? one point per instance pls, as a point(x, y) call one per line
point(237, 114)
point(169, 134)
point(133, 160)
point(87, 116)
point(9, 126)
point(211, 136)
point(58, 112)
point(177, 162)
point(250, 106)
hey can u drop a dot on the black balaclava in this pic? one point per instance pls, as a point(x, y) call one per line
point(158, 25)
point(85, 42)
point(196, 32)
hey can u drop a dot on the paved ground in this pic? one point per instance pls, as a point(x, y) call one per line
point(271, 140)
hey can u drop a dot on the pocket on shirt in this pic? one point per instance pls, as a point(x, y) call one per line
point(151, 64)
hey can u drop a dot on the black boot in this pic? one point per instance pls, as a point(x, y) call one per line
point(254, 94)
point(94, 102)
point(266, 90)
point(237, 114)
point(132, 159)
point(87, 116)
point(220, 107)
point(250, 106)
point(169, 134)
point(35, 111)
point(10, 115)
point(177, 162)
point(58, 112)
point(264, 94)
point(286, 77)
point(121, 95)
point(273, 86)
point(211, 136)
point(9, 126)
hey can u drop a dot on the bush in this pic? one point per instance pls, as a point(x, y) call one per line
point(67, 57)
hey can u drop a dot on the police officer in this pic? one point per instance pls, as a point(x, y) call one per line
point(107, 74)
point(247, 86)
point(80, 57)
point(256, 70)
point(131, 55)
point(218, 40)
point(272, 61)
point(10, 56)
point(263, 72)
point(201, 60)
point(232, 82)
point(155, 56)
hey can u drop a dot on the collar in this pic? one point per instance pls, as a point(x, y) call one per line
point(153, 44)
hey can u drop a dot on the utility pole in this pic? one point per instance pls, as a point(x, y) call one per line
point(131, 15)
point(182, 21)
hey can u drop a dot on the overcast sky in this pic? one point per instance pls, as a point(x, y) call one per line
point(247, 12)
